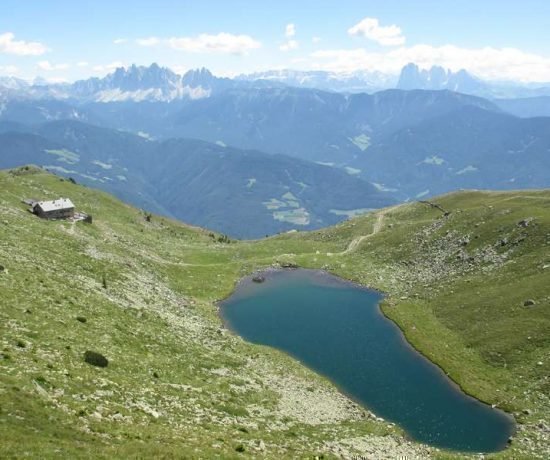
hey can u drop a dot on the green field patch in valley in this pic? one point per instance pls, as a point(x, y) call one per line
point(293, 216)
point(102, 165)
point(350, 212)
point(64, 155)
point(362, 141)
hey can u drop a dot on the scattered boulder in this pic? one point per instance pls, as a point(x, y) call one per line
point(289, 265)
point(258, 279)
point(464, 241)
point(529, 303)
point(525, 222)
point(95, 359)
point(81, 319)
point(2, 268)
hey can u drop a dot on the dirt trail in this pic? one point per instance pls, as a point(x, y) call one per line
point(354, 244)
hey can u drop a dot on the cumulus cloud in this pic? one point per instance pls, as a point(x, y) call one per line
point(488, 62)
point(48, 66)
point(107, 68)
point(290, 44)
point(120, 41)
point(151, 41)
point(178, 68)
point(290, 30)
point(384, 35)
point(9, 70)
point(315, 40)
point(9, 45)
point(224, 43)
point(82, 64)
point(57, 80)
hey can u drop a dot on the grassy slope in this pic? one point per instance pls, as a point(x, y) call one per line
point(456, 286)
point(214, 392)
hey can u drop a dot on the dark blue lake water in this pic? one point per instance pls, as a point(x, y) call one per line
point(337, 329)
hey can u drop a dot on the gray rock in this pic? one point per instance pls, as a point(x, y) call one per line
point(464, 241)
point(525, 222)
point(529, 303)
point(95, 359)
point(291, 265)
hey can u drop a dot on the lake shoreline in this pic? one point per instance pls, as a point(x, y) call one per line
point(325, 278)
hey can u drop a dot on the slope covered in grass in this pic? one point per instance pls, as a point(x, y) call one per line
point(142, 292)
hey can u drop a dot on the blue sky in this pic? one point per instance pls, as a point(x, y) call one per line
point(68, 40)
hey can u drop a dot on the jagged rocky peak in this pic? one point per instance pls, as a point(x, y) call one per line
point(140, 83)
point(410, 77)
point(198, 77)
point(437, 78)
point(141, 77)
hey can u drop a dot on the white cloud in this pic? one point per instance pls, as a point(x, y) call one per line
point(179, 69)
point(384, 35)
point(289, 45)
point(290, 30)
point(107, 68)
point(489, 63)
point(48, 67)
point(315, 40)
point(120, 41)
point(9, 70)
point(57, 80)
point(151, 41)
point(82, 64)
point(22, 48)
point(220, 43)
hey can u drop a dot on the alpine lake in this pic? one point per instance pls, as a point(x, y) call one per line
point(337, 329)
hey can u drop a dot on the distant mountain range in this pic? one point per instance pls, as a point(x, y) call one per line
point(238, 192)
point(526, 107)
point(410, 77)
point(469, 148)
point(351, 82)
point(436, 78)
point(135, 83)
point(310, 124)
point(155, 83)
point(326, 154)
